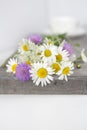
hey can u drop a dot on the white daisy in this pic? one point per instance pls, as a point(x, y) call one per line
point(41, 73)
point(48, 41)
point(66, 70)
point(62, 55)
point(48, 52)
point(25, 46)
point(11, 66)
point(56, 67)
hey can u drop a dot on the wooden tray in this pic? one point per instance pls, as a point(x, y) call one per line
point(77, 84)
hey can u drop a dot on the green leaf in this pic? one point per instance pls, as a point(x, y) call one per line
point(77, 44)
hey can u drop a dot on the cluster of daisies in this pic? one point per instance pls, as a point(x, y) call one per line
point(39, 59)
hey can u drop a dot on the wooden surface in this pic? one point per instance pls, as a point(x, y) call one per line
point(77, 83)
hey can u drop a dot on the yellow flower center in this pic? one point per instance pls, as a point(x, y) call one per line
point(47, 53)
point(14, 67)
point(66, 71)
point(49, 42)
point(56, 67)
point(25, 47)
point(42, 73)
point(28, 62)
point(59, 58)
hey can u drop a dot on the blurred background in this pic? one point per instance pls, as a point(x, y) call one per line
point(19, 18)
point(71, 8)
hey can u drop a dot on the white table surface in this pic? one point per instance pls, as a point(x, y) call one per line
point(43, 112)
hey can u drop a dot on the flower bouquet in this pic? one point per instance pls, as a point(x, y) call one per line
point(40, 58)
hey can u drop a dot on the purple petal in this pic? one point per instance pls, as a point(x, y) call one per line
point(68, 47)
point(36, 38)
point(22, 72)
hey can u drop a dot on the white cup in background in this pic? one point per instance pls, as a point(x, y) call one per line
point(64, 24)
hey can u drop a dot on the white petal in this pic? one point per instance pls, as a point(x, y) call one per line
point(61, 77)
point(66, 78)
point(83, 56)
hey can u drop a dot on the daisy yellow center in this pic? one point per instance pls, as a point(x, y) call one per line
point(49, 42)
point(28, 62)
point(42, 73)
point(25, 47)
point(66, 71)
point(59, 57)
point(14, 67)
point(47, 53)
point(56, 67)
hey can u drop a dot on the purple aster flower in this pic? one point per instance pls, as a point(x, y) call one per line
point(36, 38)
point(22, 72)
point(68, 47)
